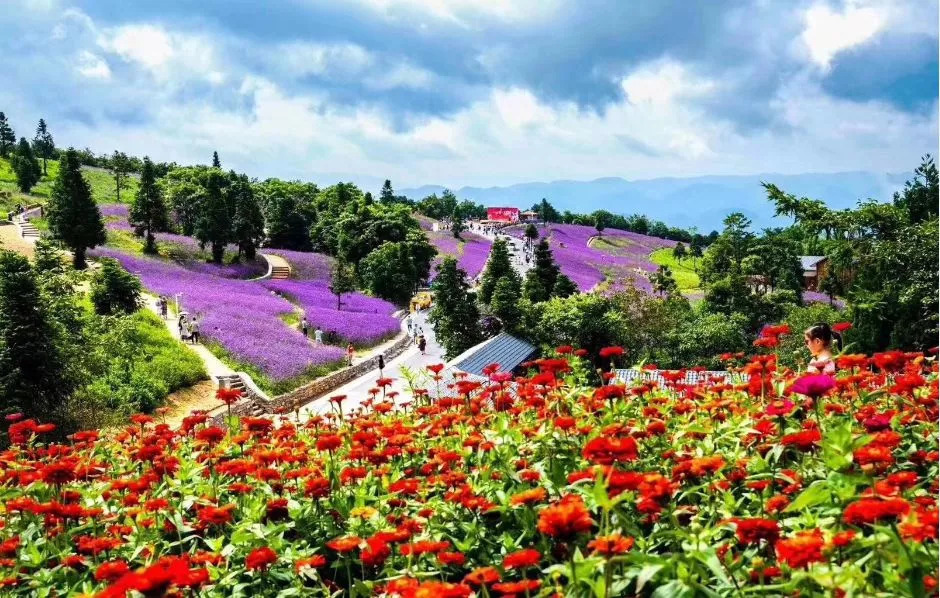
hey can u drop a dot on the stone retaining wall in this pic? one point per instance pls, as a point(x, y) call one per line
point(297, 398)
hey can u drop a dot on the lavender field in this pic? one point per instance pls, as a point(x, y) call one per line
point(588, 267)
point(471, 252)
point(245, 316)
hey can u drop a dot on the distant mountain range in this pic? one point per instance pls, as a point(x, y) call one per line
point(701, 201)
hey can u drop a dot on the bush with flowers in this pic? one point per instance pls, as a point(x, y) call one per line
point(538, 486)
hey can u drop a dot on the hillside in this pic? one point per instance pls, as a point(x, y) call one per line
point(100, 180)
point(695, 201)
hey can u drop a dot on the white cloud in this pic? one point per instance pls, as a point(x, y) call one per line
point(92, 66)
point(171, 57)
point(464, 11)
point(828, 32)
point(663, 82)
point(301, 59)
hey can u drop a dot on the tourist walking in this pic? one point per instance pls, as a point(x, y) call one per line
point(350, 352)
point(303, 325)
point(189, 331)
point(318, 336)
point(194, 331)
point(181, 323)
point(422, 343)
point(409, 321)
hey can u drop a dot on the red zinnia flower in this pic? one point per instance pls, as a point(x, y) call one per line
point(482, 576)
point(111, 570)
point(606, 451)
point(872, 510)
point(611, 545)
point(752, 531)
point(521, 559)
point(801, 550)
point(565, 518)
point(260, 559)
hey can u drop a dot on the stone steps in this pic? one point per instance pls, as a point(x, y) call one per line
point(280, 272)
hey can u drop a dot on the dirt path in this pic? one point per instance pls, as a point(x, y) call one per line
point(184, 401)
point(10, 239)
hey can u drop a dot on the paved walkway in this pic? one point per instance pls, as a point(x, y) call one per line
point(278, 267)
point(516, 250)
point(214, 366)
point(411, 360)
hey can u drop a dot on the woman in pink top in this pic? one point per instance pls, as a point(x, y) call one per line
point(819, 339)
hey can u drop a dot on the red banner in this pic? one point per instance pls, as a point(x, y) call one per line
point(503, 214)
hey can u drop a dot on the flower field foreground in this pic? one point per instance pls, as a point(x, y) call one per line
point(774, 486)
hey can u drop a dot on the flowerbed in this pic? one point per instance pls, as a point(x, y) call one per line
point(471, 252)
point(587, 266)
point(361, 320)
point(241, 316)
point(557, 488)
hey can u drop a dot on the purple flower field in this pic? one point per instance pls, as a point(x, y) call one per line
point(362, 321)
point(305, 265)
point(471, 254)
point(242, 316)
point(587, 266)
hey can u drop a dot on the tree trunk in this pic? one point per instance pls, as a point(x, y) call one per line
point(338, 302)
point(78, 258)
point(44, 172)
point(150, 246)
point(218, 251)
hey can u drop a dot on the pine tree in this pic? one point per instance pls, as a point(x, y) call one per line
point(25, 166)
point(213, 225)
point(7, 136)
point(454, 316)
point(457, 225)
point(120, 166)
point(74, 217)
point(248, 224)
point(663, 282)
point(498, 265)
point(564, 287)
point(545, 268)
point(148, 212)
point(43, 144)
point(215, 160)
point(505, 303)
point(387, 196)
point(531, 234)
point(32, 370)
point(114, 290)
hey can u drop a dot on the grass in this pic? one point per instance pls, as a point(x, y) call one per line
point(682, 271)
point(99, 180)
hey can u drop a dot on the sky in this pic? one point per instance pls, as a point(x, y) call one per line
point(481, 92)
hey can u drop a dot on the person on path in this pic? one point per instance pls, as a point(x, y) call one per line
point(194, 331)
point(381, 364)
point(422, 343)
point(189, 331)
point(414, 336)
point(181, 323)
point(318, 336)
point(163, 307)
point(410, 322)
point(350, 351)
point(304, 327)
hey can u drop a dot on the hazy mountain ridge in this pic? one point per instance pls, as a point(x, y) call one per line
point(701, 201)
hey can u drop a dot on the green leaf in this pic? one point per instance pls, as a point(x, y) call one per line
point(646, 573)
point(816, 494)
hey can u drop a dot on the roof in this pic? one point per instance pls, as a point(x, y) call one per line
point(504, 349)
point(809, 262)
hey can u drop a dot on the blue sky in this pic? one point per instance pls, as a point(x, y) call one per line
point(481, 92)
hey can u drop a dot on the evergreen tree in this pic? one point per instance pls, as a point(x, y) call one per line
point(454, 316)
point(533, 289)
point(599, 224)
point(545, 270)
point(114, 290)
point(531, 234)
point(679, 252)
point(215, 160)
point(387, 196)
point(663, 281)
point(32, 371)
point(342, 280)
point(25, 166)
point(120, 166)
point(248, 224)
point(457, 225)
point(505, 302)
point(43, 144)
point(148, 213)
point(498, 265)
point(367, 199)
point(564, 287)
point(74, 217)
point(7, 136)
point(213, 224)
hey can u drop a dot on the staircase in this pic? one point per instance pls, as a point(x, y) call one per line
point(235, 382)
point(27, 230)
point(280, 272)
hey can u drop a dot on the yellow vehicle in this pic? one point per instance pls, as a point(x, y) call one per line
point(422, 300)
